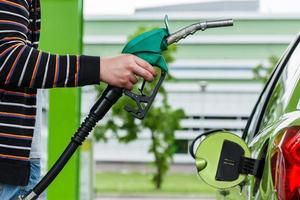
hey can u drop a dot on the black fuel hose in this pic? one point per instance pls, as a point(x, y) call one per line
point(108, 98)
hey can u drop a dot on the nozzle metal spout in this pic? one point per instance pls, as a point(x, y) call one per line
point(191, 29)
point(218, 23)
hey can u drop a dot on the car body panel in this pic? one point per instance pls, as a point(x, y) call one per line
point(282, 110)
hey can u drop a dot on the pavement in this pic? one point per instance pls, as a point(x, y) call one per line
point(154, 198)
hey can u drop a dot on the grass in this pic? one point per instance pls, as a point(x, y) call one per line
point(137, 184)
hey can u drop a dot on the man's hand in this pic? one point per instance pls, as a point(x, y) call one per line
point(121, 71)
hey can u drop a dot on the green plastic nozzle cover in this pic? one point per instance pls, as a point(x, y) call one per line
point(149, 46)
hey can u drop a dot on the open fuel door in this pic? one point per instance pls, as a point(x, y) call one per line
point(223, 159)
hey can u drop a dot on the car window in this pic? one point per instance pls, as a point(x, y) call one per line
point(258, 113)
point(283, 90)
point(253, 120)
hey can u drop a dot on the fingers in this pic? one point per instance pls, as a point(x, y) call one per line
point(122, 71)
point(143, 73)
point(133, 79)
point(145, 65)
point(129, 86)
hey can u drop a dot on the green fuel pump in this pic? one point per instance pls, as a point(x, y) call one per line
point(148, 46)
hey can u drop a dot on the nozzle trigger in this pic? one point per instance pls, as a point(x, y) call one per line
point(143, 101)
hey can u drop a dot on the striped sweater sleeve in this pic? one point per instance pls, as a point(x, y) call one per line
point(25, 66)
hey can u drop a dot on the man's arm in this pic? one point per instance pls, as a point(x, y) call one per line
point(24, 66)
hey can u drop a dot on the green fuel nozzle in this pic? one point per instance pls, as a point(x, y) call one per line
point(150, 46)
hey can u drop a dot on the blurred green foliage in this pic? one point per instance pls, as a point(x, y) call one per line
point(262, 73)
point(161, 122)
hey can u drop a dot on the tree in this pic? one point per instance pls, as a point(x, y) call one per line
point(161, 121)
point(262, 73)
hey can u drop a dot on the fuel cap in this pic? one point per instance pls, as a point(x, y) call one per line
point(218, 159)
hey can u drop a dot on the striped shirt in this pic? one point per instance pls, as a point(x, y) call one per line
point(23, 70)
